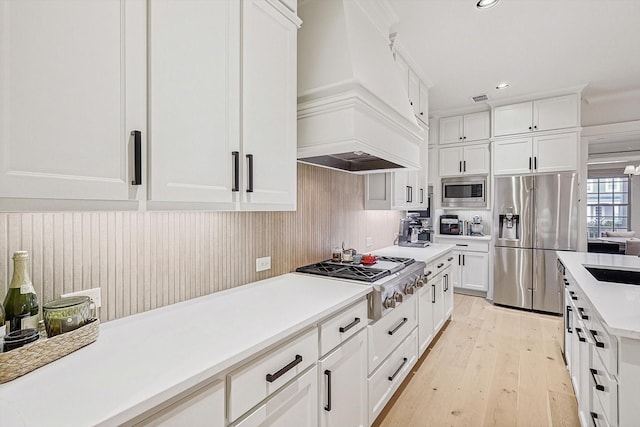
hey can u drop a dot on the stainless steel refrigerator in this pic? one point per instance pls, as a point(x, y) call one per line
point(534, 217)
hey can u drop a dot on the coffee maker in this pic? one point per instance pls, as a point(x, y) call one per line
point(410, 228)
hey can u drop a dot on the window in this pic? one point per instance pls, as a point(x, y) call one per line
point(608, 205)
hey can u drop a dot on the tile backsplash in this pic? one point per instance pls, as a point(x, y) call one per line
point(144, 260)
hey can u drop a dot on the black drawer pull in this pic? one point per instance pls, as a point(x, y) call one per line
point(461, 244)
point(404, 360)
point(566, 282)
point(580, 338)
point(440, 265)
point(272, 377)
point(594, 372)
point(582, 315)
point(594, 334)
point(573, 295)
point(236, 171)
point(327, 407)
point(594, 417)
point(449, 259)
point(428, 273)
point(394, 330)
point(137, 157)
point(350, 325)
point(567, 319)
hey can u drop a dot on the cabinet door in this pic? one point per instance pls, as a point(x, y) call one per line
point(377, 191)
point(425, 317)
point(401, 191)
point(206, 403)
point(343, 384)
point(475, 273)
point(512, 156)
point(437, 302)
point(295, 405)
point(414, 93)
point(476, 160)
point(556, 113)
point(456, 267)
point(72, 84)
point(447, 293)
point(424, 103)
point(477, 126)
point(269, 108)
point(568, 329)
point(403, 70)
point(195, 99)
point(451, 161)
point(433, 171)
point(513, 119)
point(451, 129)
point(556, 153)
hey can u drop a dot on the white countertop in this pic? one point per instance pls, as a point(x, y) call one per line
point(142, 360)
point(617, 304)
point(434, 250)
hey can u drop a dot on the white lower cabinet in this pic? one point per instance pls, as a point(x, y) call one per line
point(343, 384)
point(296, 405)
point(202, 407)
point(447, 293)
point(388, 377)
point(470, 268)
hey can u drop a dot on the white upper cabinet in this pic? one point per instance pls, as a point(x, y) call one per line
point(194, 98)
point(269, 108)
point(414, 92)
point(538, 154)
point(72, 90)
point(417, 92)
point(464, 160)
point(424, 103)
point(465, 128)
point(541, 115)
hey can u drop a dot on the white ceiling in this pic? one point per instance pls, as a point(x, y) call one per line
point(535, 45)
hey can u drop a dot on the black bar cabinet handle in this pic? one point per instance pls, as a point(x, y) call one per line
point(460, 165)
point(449, 259)
point(594, 334)
point(566, 282)
point(440, 265)
point(428, 273)
point(394, 330)
point(461, 244)
point(410, 194)
point(530, 160)
point(464, 165)
point(446, 282)
point(327, 407)
point(272, 377)
point(433, 294)
point(535, 162)
point(236, 171)
point(582, 315)
point(404, 360)
point(408, 200)
point(421, 195)
point(594, 372)
point(137, 157)
point(567, 319)
point(580, 338)
point(573, 295)
point(250, 183)
point(459, 259)
point(594, 417)
point(350, 325)
point(462, 259)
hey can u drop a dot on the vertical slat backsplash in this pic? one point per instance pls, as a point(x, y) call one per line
point(144, 260)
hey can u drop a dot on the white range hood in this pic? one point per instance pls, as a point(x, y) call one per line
point(353, 110)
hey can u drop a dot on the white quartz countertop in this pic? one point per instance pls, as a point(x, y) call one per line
point(142, 360)
point(617, 304)
point(427, 254)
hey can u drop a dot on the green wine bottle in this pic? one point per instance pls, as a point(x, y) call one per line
point(21, 303)
point(3, 327)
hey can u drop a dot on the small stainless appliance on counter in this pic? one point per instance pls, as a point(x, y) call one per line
point(535, 216)
point(410, 228)
point(394, 280)
point(449, 224)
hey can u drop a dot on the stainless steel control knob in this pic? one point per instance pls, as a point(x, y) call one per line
point(389, 302)
point(410, 289)
point(419, 283)
point(399, 298)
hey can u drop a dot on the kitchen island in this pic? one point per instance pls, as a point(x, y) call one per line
point(602, 338)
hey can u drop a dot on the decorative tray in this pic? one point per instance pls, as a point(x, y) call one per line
point(20, 361)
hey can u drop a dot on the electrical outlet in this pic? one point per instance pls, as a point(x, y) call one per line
point(369, 242)
point(263, 264)
point(94, 294)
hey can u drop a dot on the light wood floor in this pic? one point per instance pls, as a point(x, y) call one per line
point(491, 366)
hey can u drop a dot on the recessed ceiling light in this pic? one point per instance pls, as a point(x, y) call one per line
point(502, 85)
point(486, 4)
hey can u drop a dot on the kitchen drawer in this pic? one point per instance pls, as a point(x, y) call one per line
point(473, 246)
point(603, 388)
point(295, 405)
point(606, 346)
point(440, 264)
point(386, 380)
point(342, 326)
point(258, 379)
point(388, 332)
point(596, 416)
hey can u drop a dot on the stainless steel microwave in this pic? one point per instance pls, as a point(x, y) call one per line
point(464, 192)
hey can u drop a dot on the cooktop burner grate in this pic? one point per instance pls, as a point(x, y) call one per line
point(405, 261)
point(353, 272)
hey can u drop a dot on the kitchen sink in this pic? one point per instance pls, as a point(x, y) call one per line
point(606, 274)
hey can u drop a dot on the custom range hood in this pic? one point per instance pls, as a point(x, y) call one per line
point(353, 109)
